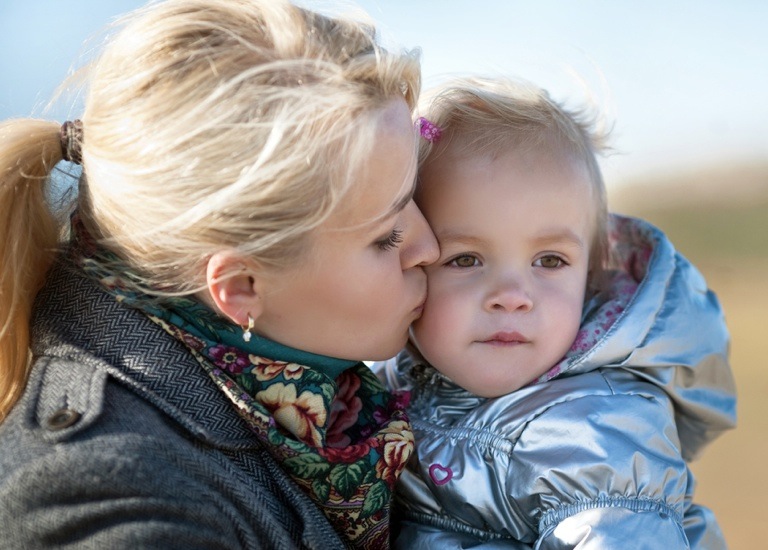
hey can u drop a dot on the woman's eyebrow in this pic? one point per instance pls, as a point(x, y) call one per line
point(377, 223)
point(400, 205)
point(403, 202)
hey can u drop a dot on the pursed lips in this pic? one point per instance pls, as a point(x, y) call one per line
point(420, 308)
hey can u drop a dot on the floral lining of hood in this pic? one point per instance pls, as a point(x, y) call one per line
point(631, 247)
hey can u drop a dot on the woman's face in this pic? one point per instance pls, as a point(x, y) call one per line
point(362, 284)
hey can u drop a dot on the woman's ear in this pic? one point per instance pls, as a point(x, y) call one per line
point(234, 286)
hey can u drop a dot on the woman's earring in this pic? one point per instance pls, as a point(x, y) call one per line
point(247, 330)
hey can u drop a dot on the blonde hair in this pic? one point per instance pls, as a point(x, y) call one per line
point(208, 125)
point(490, 116)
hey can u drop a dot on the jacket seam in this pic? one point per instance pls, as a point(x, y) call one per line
point(491, 439)
point(449, 523)
point(477, 436)
point(553, 517)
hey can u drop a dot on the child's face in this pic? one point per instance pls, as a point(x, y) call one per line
point(505, 297)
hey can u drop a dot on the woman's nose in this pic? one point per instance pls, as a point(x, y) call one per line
point(420, 245)
point(509, 295)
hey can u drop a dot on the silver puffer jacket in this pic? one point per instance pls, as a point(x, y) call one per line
point(597, 460)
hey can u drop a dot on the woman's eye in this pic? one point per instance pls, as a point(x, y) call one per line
point(464, 261)
point(390, 241)
point(550, 262)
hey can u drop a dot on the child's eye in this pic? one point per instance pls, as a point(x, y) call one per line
point(391, 241)
point(464, 261)
point(550, 261)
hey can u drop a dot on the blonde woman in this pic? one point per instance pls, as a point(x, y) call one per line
point(184, 369)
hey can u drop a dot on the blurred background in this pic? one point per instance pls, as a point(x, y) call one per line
point(683, 84)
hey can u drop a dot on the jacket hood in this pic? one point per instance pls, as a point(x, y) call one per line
point(661, 322)
point(652, 294)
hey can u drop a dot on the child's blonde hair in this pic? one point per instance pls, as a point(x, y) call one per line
point(480, 116)
point(208, 125)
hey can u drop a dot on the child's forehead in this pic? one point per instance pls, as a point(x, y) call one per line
point(457, 184)
point(470, 151)
point(519, 156)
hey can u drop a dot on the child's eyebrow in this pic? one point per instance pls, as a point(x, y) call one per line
point(559, 235)
point(457, 237)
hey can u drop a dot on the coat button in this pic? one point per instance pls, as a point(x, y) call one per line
point(63, 418)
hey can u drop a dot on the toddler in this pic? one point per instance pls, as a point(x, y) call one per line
point(568, 364)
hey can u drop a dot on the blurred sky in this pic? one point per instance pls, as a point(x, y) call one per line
point(685, 82)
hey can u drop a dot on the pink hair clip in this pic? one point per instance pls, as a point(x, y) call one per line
point(429, 131)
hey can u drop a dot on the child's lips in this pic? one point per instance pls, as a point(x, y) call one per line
point(504, 338)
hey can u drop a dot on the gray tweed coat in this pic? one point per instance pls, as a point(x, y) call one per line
point(122, 441)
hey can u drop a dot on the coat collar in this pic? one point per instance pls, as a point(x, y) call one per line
point(75, 319)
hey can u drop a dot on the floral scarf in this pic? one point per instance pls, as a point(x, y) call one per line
point(340, 436)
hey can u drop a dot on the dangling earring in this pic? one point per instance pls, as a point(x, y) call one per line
point(247, 331)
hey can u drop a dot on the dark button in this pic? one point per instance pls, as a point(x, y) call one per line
point(63, 418)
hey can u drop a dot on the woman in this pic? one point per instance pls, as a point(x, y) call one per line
point(195, 376)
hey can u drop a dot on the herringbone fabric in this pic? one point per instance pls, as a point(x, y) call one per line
point(150, 453)
point(74, 314)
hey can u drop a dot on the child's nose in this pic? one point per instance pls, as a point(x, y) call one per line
point(509, 295)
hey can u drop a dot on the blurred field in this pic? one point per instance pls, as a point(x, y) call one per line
point(719, 220)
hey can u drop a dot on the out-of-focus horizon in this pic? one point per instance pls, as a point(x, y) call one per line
point(682, 82)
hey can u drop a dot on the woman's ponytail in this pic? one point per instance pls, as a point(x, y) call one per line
point(29, 150)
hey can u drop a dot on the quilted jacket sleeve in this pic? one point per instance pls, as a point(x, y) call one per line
point(605, 471)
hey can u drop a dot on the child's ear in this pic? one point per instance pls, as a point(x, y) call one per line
point(235, 286)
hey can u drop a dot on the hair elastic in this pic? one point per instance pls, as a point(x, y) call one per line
point(71, 141)
point(429, 131)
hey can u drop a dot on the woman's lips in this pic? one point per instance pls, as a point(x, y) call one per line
point(419, 309)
